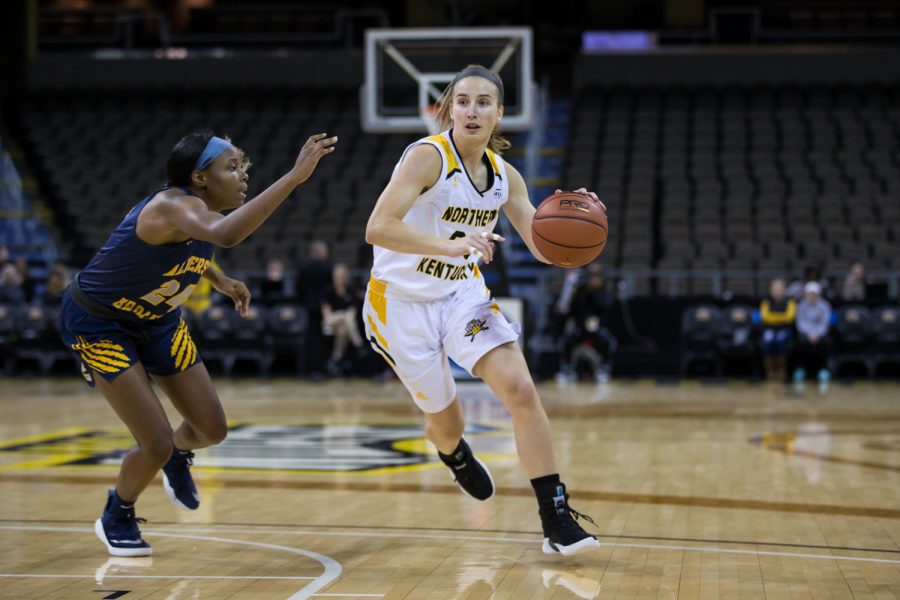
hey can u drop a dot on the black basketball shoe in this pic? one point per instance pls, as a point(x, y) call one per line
point(118, 529)
point(471, 474)
point(561, 531)
point(177, 480)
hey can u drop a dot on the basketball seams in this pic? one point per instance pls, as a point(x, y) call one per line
point(580, 219)
point(534, 232)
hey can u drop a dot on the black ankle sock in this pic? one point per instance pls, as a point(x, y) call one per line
point(548, 488)
point(458, 456)
point(120, 504)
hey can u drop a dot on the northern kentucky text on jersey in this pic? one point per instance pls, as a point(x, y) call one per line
point(473, 217)
point(446, 271)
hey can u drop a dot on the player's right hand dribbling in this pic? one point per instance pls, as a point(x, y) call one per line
point(315, 148)
point(480, 244)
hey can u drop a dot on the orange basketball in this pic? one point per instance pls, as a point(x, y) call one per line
point(569, 229)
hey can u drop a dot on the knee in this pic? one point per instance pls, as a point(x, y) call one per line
point(215, 433)
point(520, 394)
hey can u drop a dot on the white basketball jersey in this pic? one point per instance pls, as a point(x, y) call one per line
point(450, 209)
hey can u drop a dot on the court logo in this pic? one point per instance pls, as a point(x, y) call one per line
point(474, 327)
point(819, 443)
point(298, 448)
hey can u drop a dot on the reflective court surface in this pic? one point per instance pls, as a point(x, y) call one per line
point(330, 490)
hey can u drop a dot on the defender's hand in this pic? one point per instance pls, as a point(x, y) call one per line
point(315, 148)
point(238, 292)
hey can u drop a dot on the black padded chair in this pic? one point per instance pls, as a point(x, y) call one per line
point(739, 337)
point(886, 336)
point(288, 325)
point(701, 325)
point(251, 340)
point(37, 339)
point(7, 335)
point(851, 338)
point(213, 336)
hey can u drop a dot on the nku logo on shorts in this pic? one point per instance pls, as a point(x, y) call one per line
point(474, 327)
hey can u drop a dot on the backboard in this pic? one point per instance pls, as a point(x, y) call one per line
point(407, 69)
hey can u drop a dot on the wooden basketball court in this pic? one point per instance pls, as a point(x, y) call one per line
point(329, 490)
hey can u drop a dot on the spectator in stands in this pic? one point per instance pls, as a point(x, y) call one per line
point(589, 340)
point(4, 255)
point(28, 282)
point(339, 312)
point(813, 321)
point(313, 282)
point(558, 321)
point(11, 290)
point(854, 288)
point(57, 282)
point(274, 287)
point(563, 304)
point(777, 313)
point(811, 273)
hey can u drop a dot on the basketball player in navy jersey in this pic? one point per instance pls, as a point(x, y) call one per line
point(121, 316)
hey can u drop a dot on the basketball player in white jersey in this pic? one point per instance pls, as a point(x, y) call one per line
point(427, 299)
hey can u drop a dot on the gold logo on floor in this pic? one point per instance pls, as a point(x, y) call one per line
point(351, 448)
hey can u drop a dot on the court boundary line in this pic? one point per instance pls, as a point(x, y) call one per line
point(603, 544)
point(105, 577)
point(361, 534)
point(587, 495)
point(600, 536)
point(331, 568)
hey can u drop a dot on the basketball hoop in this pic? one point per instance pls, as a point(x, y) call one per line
point(429, 116)
point(407, 69)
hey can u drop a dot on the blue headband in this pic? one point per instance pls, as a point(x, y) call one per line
point(214, 147)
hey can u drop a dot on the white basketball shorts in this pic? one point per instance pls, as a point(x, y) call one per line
point(417, 338)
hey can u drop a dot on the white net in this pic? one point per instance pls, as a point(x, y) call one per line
point(429, 118)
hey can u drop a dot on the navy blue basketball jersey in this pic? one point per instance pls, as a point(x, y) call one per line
point(140, 281)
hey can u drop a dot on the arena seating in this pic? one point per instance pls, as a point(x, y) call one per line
point(743, 182)
point(859, 337)
point(739, 180)
point(30, 342)
point(742, 179)
point(99, 153)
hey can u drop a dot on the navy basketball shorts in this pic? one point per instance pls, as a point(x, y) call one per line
point(108, 348)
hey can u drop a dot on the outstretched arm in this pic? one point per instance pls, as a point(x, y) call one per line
point(194, 218)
